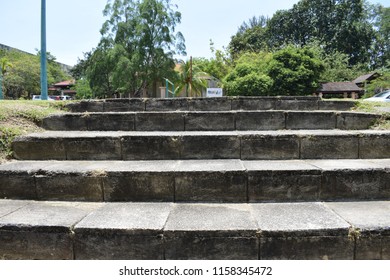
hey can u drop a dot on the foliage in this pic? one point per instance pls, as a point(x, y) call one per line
point(380, 84)
point(250, 37)
point(23, 78)
point(83, 89)
point(137, 47)
point(190, 78)
point(249, 76)
point(295, 71)
point(352, 28)
point(217, 66)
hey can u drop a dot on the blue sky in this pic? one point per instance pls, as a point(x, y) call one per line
point(73, 25)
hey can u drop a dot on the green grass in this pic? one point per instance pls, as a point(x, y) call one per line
point(22, 117)
point(382, 108)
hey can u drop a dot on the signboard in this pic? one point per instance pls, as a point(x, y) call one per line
point(214, 92)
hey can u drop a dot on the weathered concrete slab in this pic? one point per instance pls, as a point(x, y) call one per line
point(329, 145)
point(122, 231)
point(93, 148)
point(30, 148)
point(295, 103)
point(210, 104)
point(351, 120)
point(371, 221)
point(66, 230)
point(41, 230)
point(159, 121)
point(302, 231)
point(210, 121)
point(210, 146)
point(339, 105)
point(153, 147)
point(352, 179)
point(177, 104)
point(253, 103)
point(211, 231)
point(124, 105)
point(375, 144)
point(278, 181)
point(69, 187)
point(86, 106)
point(139, 187)
point(269, 146)
point(211, 180)
point(9, 206)
point(111, 122)
point(265, 120)
point(247, 145)
point(310, 120)
point(65, 122)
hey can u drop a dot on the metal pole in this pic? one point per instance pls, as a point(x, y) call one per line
point(43, 52)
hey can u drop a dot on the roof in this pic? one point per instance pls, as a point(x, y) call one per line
point(367, 77)
point(339, 87)
point(65, 84)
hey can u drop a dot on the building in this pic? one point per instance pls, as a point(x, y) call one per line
point(362, 81)
point(340, 89)
point(64, 88)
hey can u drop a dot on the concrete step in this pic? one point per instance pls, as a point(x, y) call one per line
point(233, 181)
point(245, 145)
point(210, 104)
point(70, 230)
point(210, 121)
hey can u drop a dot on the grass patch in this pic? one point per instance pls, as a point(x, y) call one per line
point(22, 117)
point(382, 108)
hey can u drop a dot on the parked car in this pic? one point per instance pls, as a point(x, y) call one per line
point(380, 97)
point(66, 97)
point(38, 97)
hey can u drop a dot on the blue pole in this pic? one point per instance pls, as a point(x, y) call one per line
point(43, 52)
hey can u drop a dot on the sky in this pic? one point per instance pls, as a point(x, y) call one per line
point(73, 26)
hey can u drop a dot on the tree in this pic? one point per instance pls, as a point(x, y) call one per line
point(337, 25)
point(190, 78)
point(381, 47)
point(249, 76)
point(140, 39)
point(295, 71)
point(23, 79)
point(4, 65)
point(250, 37)
point(218, 66)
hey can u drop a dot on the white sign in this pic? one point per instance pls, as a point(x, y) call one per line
point(214, 92)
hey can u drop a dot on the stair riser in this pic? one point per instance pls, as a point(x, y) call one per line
point(192, 231)
point(232, 186)
point(267, 120)
point(226, 146)
point(211, 104)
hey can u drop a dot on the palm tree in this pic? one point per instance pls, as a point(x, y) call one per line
point(4, 65)
point(191, 78)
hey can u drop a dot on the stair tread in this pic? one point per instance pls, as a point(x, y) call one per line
point(192, 165)
point(309, 217)
point(116, 134)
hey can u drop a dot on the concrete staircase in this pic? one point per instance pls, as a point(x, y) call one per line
point(225, 178)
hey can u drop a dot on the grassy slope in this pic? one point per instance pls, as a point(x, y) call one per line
point(23, 117)
point(378, 108)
